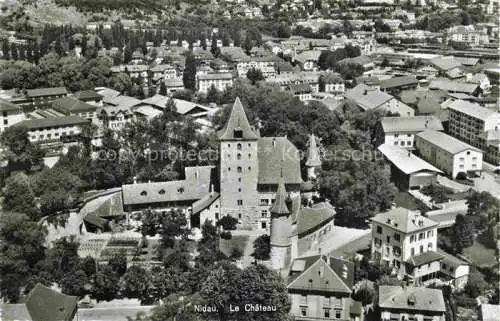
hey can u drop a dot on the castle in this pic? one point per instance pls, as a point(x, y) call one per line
point(258, 182)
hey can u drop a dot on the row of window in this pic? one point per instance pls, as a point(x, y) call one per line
point(421, 236)
point(239, 169)
point(238, 156)
point(239, 146)
point(327, 312)
point(430, 247)
point(49, 136)
point(402, 143)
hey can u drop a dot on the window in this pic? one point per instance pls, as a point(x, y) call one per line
point(4, 114)
point(338, 314)
point(239, 190)
point(430, 233)
point(326, 312)
point(239, 215)
point(303, 311)
point(180, 190)
point(264, 213)
point(412, 238)
point(397, 237)
point(229, 169)
point(412, 251)
point(240, 202)
point(238, 133)
point(144, 193)
point(216, 216)
point(388, 239)
point(409, 143)
point(402, 143)
point(239, 170)
point(396, 143)
point(161, 192)
point(263, 225)
point(461, 159)
point(238, 157)
point(228, 145)
point(421, 236)
point(429, 246)
point(5, 121)
point(379, 229)
point(238, 146)
point(421, 249)
point(239, 179)
point(310, 283)
point(249, 155)
point(444, 266)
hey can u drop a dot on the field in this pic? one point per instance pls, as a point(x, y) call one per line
point(480, 254)
point(48, 12)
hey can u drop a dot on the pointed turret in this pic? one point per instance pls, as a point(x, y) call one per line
point(237, 126)
point(313, 158)
point(279, 207)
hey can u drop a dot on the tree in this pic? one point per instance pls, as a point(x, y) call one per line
point(255, 75)
point(228, 222)
point(150, 222)
point(173, 225)
point(22, 249)
point(189, 74)
point(163, 89)
point(262, 247)
point(74, 283)
point(365, 294)
point(212, 94)
point(463, 233)
point(105, 284)
point(21, 154)
point(438, 193)
point(283, 31)
point(118, 263)
point(227, 284)
point(475, 285)
point(19, 197)
point(137, 283)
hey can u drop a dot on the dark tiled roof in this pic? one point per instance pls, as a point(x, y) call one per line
point(317, 275)
point(195, 186)
point(410, 124)
point(6, 105)
point(279, 206)
point(278, 155)
point(46, 92)
point(424, 299)
point(425, 258)
point(237, 121)
point(205, 202)
point(45, 304)
point(300, 88)
point(311, 218)
point(87, 95)
point(71, 105)
point(53, 122)
point(398, 82)
point(404, 220)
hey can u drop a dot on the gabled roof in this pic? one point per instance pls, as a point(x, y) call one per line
point(46, 92)
point(300, 88)
point(87, 95)
point(308, 55)
point(309, 219)
point(445, 142)
point(204, 202)
point(6, 105)
point(68, 105)
point(404, 220)
point(471, 109)
point(425, 258)
point(410, 124)
point(278, 155)
point(445, 63)
point(317, 275)
point(398, 297)
point(122, 101)
point(405, 160)
point(194, 187)
point(237, 121)
point(52, 122)
point(453, 86)
point(366, 97)
point(398, 82)
point(45, 304)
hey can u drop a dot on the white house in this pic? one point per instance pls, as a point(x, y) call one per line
point(11, 114)
point(448, 153)
point(221, 81)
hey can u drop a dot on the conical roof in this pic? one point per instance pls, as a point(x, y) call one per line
point(279, 206)
point(313, 158)
point(238, 121)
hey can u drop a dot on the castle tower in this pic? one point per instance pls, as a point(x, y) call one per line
point(280, 230)
point(313, 158)
point(239, 168)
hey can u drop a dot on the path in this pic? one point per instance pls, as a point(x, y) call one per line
point(488, 182)
point(338, 237)
point(455, 186)
point(247, 259)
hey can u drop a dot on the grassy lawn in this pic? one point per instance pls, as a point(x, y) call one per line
point(404, 199)
point(236, 242)
point(480, 254)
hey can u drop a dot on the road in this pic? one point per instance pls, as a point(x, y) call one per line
point(111, 313)
point(488, 182)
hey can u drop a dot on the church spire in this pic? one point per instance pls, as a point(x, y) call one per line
point(313, 158)
point(237, 126)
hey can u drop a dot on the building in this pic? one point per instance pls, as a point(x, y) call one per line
point(72, 106)
point(369, 99)
point(319, 288)
point(399, 235)
point(42, 304)
point(449, 154)
point(454, 270)
point(474, 125)
point(89, 96)
point(400, 131)
point(489, 312)
point(220, 81)
point(410, 303)
point(451, 86)
point(407, 170)
point(397, 84)
point(468, 34)
point(173, 85)
point(11, 114)
point(54, 129)
point(39, 98)
point(308, 60)
point(301, 91)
